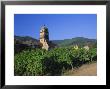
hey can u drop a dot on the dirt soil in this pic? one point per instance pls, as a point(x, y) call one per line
point(84, 70)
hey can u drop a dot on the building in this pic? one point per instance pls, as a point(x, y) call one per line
point(44, 37)
point(86, 47)
point(76, 47)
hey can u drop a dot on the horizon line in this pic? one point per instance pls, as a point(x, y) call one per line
point(60, 39)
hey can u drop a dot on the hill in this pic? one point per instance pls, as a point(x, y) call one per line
point(26, 42)
point(80, 41)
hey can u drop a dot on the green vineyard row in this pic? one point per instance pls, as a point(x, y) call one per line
point(38, 62)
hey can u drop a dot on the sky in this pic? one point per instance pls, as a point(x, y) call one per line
point(60, 26)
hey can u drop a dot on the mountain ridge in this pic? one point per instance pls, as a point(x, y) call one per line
point(66, 42)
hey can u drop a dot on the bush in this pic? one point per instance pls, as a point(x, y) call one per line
point(54, 62)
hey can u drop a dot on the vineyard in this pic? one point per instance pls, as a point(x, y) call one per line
point(39, 62)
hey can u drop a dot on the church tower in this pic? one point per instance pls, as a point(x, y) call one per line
point(44, 37)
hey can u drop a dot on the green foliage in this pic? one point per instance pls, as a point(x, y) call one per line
point(80, 41)
point(54, 62)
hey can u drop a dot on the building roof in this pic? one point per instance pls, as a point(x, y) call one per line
point(44, 27)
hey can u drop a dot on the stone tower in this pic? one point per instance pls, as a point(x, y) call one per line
point(44, 37)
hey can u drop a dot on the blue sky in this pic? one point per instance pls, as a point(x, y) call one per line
point(60, 26)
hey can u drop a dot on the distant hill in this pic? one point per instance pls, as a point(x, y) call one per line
point(80, 41)
point(26, 42)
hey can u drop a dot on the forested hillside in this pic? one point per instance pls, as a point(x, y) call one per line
point(80, 41)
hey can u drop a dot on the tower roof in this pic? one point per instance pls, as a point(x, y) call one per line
point(44, 27)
